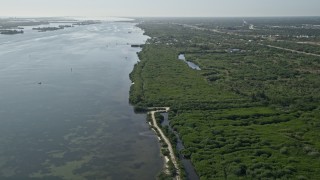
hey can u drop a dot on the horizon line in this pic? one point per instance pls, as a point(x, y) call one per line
point(259, 16)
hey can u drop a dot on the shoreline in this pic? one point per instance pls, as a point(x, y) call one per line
point(161, 136)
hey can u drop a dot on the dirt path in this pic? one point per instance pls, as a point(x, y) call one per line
point(291, 50)
point(165, 139)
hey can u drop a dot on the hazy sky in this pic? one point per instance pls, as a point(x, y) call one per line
point(188, 8)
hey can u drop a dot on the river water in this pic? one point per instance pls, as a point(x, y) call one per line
point(64, 111)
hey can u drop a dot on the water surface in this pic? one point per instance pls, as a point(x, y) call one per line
point(191, 173)
point(190, 64)
point(64, 111)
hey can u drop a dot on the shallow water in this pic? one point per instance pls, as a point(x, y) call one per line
point(187, 164)
point(64, 111)
point(190, 64)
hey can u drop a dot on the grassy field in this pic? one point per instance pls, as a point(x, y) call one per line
point(251, 112)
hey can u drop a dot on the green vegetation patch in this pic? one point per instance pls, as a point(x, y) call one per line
point(251, 112)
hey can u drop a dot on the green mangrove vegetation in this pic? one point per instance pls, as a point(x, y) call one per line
point(251, 112)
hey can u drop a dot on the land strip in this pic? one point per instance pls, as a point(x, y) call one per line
point(291, 50)
point(165, 139)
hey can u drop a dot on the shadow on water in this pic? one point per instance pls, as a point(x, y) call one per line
point(188, 167)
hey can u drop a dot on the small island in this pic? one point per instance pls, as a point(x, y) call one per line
point(11, 26)
point(44, 29)
point(82, 23)
point(89, 22)
point(65, 26)
point(11, 32)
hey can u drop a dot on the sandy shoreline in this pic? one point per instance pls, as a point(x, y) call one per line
point(162, 136)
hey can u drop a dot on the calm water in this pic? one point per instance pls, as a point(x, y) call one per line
point(64, 111)
point(188, 166)
point(190, 64)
